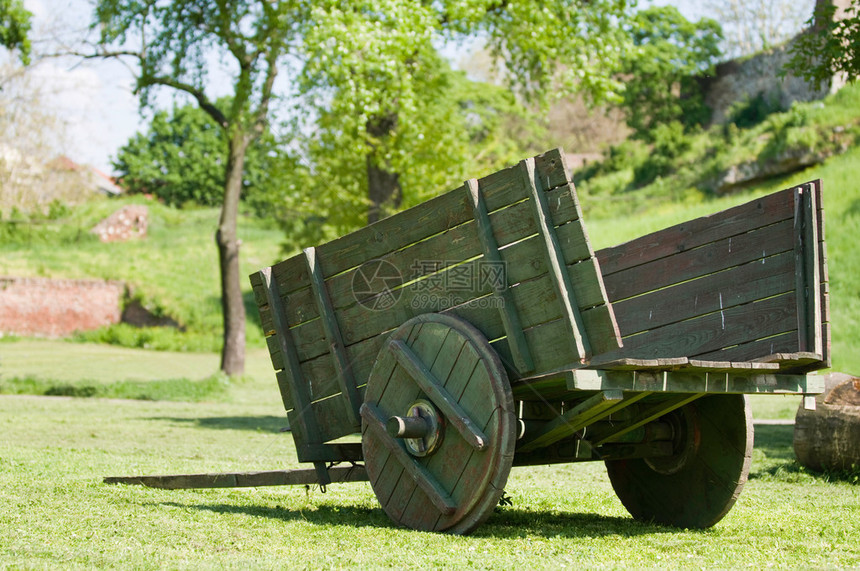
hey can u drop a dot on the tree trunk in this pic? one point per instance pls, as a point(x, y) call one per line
point(383, 186)
point(828, 438)
point(232, 304)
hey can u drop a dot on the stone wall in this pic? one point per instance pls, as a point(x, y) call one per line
point(737, 81)
point(54, 308)
point(740, 80)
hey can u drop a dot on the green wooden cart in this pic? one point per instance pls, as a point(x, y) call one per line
point(479, 331)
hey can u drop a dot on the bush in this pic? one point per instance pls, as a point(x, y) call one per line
point(752, 111)
point(670, 142)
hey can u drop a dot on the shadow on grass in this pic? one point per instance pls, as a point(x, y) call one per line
point(776, 440)
point(507, 523)
point(267, 423)
point(777, 444)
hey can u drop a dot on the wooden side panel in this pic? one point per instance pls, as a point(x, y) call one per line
point(442, 261)
point(825, 287)
point(722, 287)
point(767, 210)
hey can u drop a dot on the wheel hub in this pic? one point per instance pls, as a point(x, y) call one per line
point(421, 429)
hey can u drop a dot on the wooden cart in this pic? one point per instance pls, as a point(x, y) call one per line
point(479, 331)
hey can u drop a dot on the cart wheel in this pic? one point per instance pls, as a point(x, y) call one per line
point(438, 425)
point(699, 484)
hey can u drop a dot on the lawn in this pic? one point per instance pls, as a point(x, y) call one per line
point(178, 415)
point(56, 512)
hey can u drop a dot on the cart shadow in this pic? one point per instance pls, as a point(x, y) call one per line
point(516, 523)
point(506, 524)
point(265, 423)
point(775, 440)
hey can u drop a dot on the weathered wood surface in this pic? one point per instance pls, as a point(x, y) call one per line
point(698, 377)
point(748, 283)
point(828, 438)
point(458, 486)
point(443, 256)
point(241, 479)
point(700, 482)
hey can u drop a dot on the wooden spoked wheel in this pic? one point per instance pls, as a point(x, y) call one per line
point(699, 484)
point(438, 425)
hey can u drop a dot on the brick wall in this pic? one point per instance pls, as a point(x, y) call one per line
point(54, 308)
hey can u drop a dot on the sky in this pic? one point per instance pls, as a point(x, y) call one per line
point(96, 101)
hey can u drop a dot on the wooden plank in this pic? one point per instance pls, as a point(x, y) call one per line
point(431, 217)
point(570, 421)
point(716, 331)
point(331, 452)
point(629, 364)
point(507, 309)
point(419, 474)
point(749, 382)
point(510, 224)
point(679, 363)
point(437, 394)
point(283, 378)
point(352, 473)
point(722, 254)
point(345, 379)
point(808, 266)
point(578, 336)
point(692, 234)
point(302, 415)
point(552, 168)
point(714, 292)
point(329, 414)
point(650, 413)
point(546, 341)
point(729, 366)
point(825, 291)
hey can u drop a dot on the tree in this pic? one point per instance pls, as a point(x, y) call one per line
point(671, 52)
point(366, 61)
point(14, 27)
point(381, 76)
point(829, 46)
point(751, 26)
point(460, 128)
point(173, 45)
point(180, 160)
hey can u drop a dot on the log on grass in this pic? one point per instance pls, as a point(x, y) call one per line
point(828, 438)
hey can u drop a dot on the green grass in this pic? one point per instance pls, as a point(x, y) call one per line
point(55, 512)
point(174, 271)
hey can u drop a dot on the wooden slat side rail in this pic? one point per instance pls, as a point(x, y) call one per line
point(509, 224)
point(524, 262)
point(750, 282)
point(534, 299)
point(427, 219)
point(823, 275)
point(757, 245)
point(503, 296)
point(740, 219)
point(303, 417)
point(547, 341)
point(807, 264)
point(742, 284)
point(334, 339)
point(577, 335)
